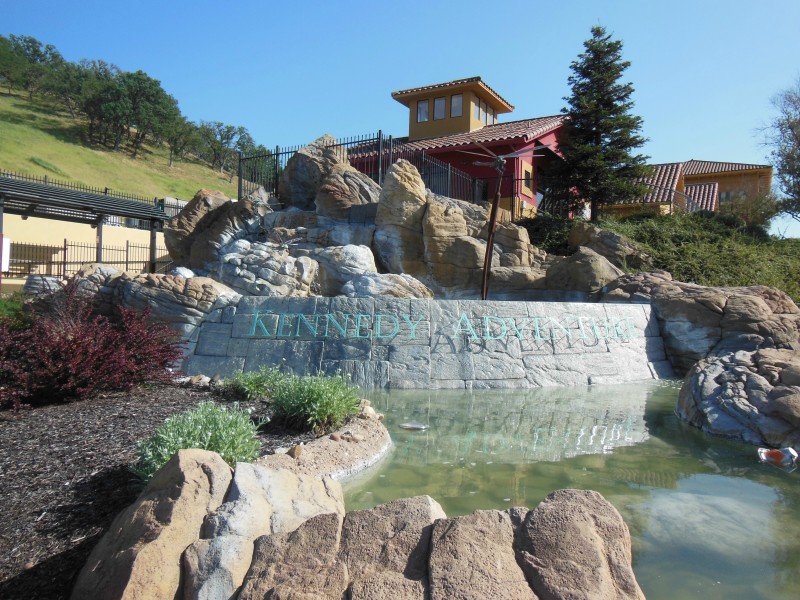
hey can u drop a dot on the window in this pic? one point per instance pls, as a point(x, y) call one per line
point(477, 110)
point(438, 108)
point(455, 105)
point(483, 112)
point(528, 179)
point(422, 111)
point(490, 120)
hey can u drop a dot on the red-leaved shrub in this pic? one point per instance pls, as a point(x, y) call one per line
point(69, 353)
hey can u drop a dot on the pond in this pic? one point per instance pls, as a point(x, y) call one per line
point(706, 518)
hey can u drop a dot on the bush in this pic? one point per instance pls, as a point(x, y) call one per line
point(228, 432)
point(549, 233)
point(319, 403)
point(254, 384)
point(12, 309)
point(67, 353)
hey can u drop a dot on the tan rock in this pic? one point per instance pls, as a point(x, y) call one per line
point(343, 187)
point(300, 564)
point(179, 229)
point(618, 249)
point(300, 181)
point(403, 198)
point(584, 271)
point(393, 537)
point(140, 555)
point(576, 545)
point(444, 219)
point(386, 586)
point(473, 557)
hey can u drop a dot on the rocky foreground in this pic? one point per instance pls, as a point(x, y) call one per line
point(200, 531)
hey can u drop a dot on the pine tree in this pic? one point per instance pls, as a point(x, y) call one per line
point(599, 132)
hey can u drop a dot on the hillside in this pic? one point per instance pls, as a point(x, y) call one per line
point(39, 139)
point(699, 248)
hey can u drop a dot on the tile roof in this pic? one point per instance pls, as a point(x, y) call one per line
point(527, 129)
point(663, 182)
point(455, 82)
point(704, 195)
point(706, 167)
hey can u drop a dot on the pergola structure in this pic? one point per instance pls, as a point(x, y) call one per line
point(31, 199)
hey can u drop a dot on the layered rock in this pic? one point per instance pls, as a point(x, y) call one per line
point(752, 397)
point(208, 222)
point(698, 321)
point(343, 187)
point(380, 285)
point(183, 303)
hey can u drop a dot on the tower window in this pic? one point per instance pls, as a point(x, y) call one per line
point(438, 108)
point(456, 105)
point(422, 111)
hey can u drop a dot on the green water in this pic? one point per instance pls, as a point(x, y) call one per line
point(707, 520)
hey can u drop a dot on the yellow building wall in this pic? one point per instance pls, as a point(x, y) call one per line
point(751, 183)
point(435, 128)
point(48, 232)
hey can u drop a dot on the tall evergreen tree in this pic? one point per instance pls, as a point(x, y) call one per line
point(600, 133)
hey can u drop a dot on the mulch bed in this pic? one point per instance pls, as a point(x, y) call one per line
point(64, 477)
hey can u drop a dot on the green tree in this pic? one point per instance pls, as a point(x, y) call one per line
point(38, 59)
point(600, 132)
point(180, 136)
point(784, 137)
point(12, 65)
point(151, 108)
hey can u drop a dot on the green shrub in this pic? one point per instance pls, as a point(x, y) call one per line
point(228, 432)
point(12, 310)
point(254, 384)
point(319, 403)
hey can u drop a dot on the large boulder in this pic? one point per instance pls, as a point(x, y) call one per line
point(208, 222)
point(303, 564)
point(585, 271)
point(473, 557)
point(343, 187)
point(300, 181)
point(340, 264)
point(398, 244)
point(575, 545)
point(751, 397)
point(619, 250)
point(260, 501)
point(139, 557)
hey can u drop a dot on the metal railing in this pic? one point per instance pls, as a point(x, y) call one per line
point(65, 260)
point(371, 154)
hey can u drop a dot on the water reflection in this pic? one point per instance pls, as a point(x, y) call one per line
point(706, 518)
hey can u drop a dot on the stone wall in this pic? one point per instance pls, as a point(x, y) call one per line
point(434, 344)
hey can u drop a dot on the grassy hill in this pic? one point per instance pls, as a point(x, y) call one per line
point(39, 139)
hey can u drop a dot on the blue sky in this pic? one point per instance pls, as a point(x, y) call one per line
point(704, 70)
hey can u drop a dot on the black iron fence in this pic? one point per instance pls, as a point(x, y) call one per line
point(171, 206)
point(372, 154)
point(65, 260)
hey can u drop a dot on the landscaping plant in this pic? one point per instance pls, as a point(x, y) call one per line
point(320, 403)
point(227, 431)
point(254, 385)
point(69, 353)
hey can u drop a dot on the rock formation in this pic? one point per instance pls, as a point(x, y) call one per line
point(195, 532)
point(751, 397)
point(698, 321)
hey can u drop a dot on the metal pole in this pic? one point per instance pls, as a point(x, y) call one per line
point(64, 261)
point(487, 259)
point(380, 157)
point(277, 171)
point(2, 199)
point(127, 253)
point(99, 240)
point(239, 193)
point(153, 229)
